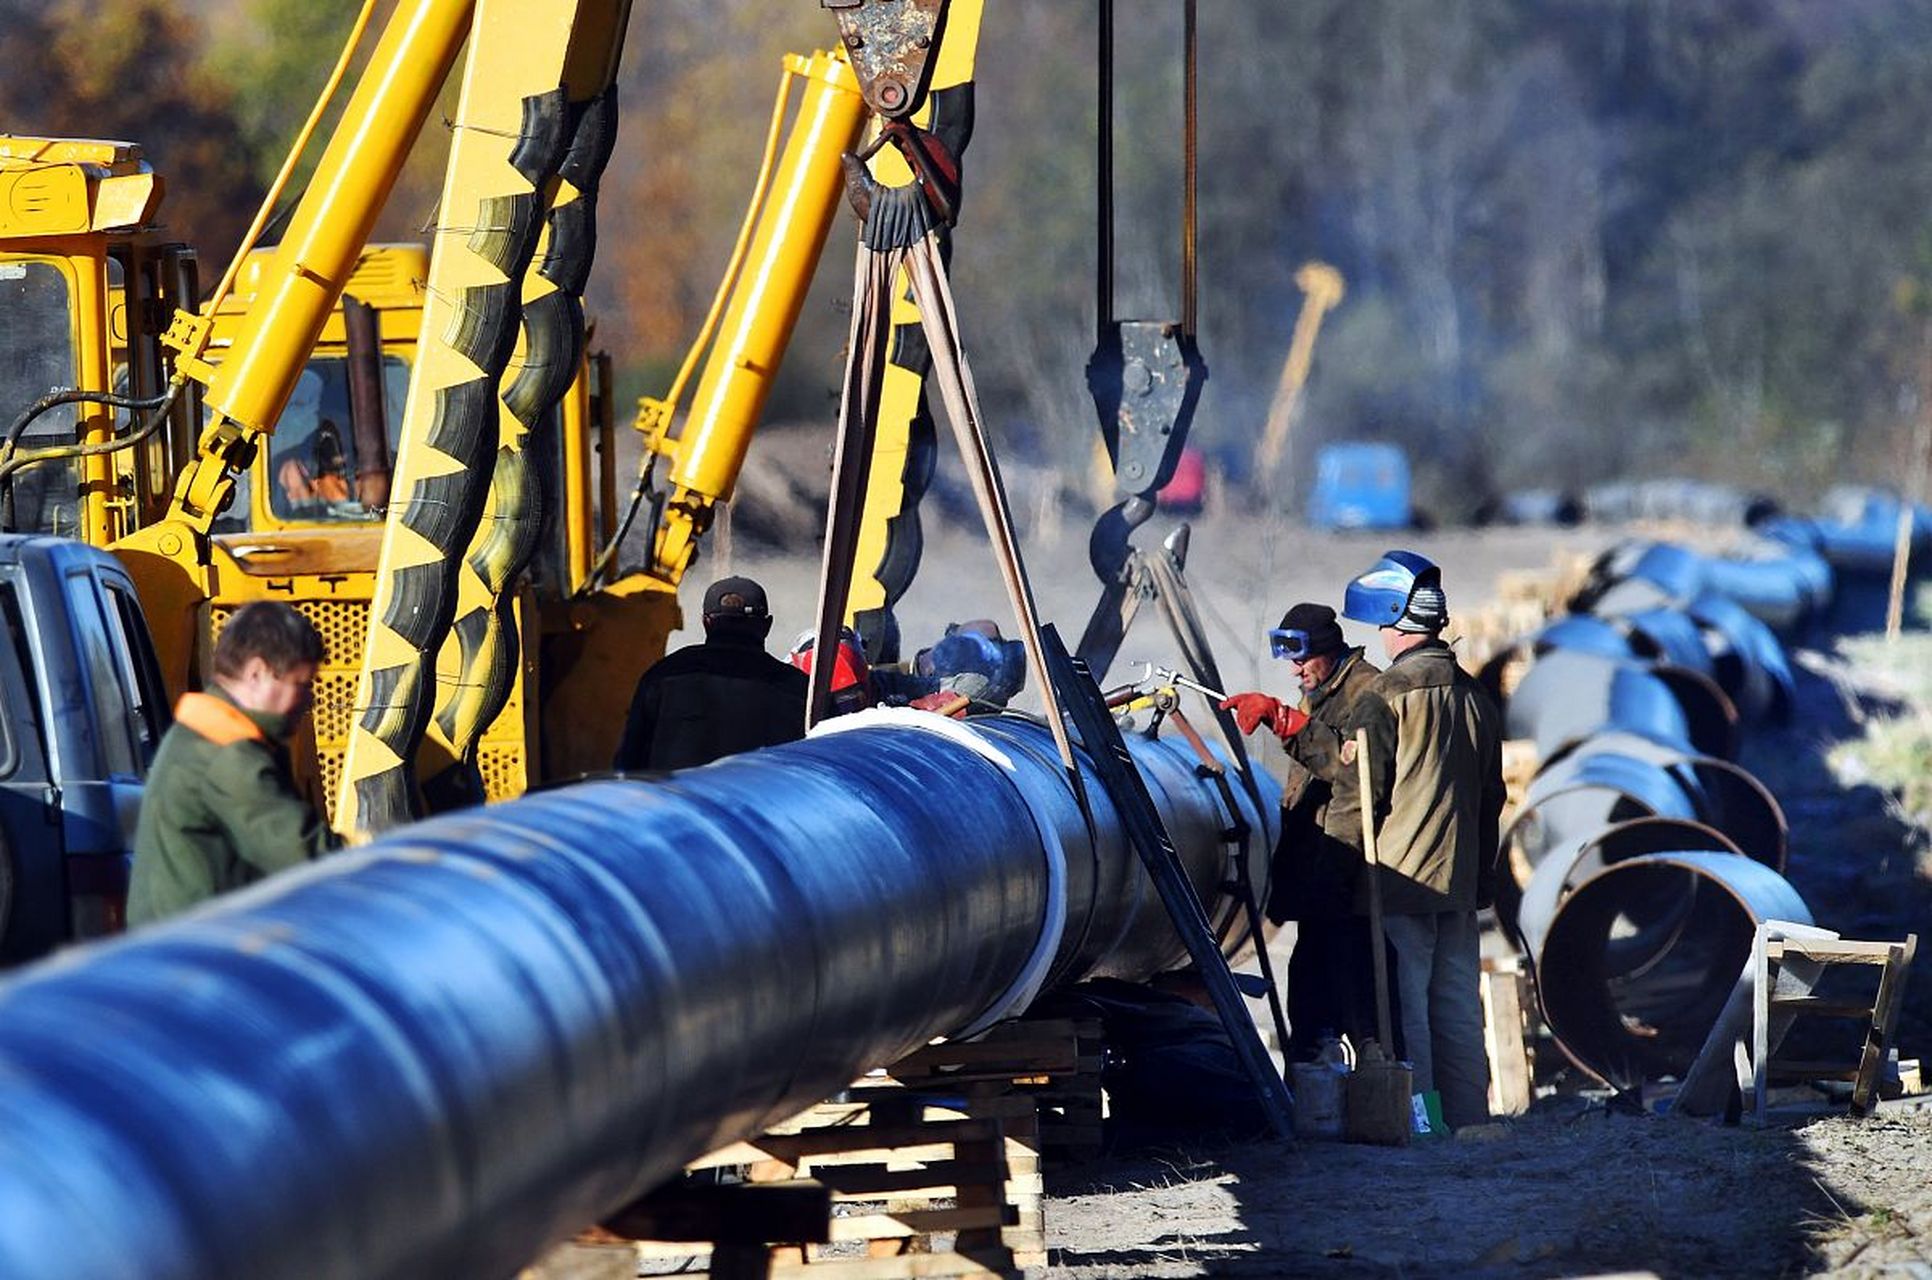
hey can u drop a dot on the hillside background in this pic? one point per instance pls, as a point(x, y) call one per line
point(1583, 239)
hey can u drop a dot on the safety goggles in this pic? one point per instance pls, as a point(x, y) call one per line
point(1290, 643)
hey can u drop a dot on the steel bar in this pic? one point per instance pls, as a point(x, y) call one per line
point(437, 1054)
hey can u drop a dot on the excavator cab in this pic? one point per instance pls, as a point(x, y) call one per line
point(87, 286)
point(327, 465)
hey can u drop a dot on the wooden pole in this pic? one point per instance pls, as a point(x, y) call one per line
point(1908, 509)
point(1376, 942)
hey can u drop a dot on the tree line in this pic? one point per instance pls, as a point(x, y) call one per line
point(1583, 239)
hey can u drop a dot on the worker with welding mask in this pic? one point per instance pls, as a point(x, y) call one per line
point(1435, 749)
point(1317, 872)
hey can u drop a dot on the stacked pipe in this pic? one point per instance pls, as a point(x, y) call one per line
point(1642, 857)
point(434, 1055)
point(1857, 529)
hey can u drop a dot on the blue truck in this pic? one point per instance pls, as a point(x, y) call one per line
point(1360, 486)
point(85, 708)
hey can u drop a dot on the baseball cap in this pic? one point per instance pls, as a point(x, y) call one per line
point(735, 598)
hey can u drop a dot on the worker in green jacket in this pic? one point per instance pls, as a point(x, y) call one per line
point(220, 809)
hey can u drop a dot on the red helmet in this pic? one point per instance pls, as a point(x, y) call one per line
point(851, 675)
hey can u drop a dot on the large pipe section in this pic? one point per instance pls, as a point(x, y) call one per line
point(1631, 995)
point(1641, 859)
point(437, 1054)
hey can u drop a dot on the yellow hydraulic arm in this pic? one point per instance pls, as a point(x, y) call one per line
point(1321, 290)
point(786, 240)
point(615, 626)
point(785, 246)
point(298, 291)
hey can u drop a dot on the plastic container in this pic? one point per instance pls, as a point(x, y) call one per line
point(1320, 1101)
point(1377, 1108)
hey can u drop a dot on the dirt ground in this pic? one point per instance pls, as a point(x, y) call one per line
point(1575, 1187)
point(1573, 1190)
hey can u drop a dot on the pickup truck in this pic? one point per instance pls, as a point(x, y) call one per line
point(84, 710)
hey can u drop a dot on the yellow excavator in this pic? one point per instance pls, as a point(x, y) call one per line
point(414, 451)
point(1321, 292)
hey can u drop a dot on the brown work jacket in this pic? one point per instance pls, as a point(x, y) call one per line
point(1436, 766)
point(1318, 864)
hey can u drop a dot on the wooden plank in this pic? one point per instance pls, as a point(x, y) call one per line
point(1761, 957)
point(1005, 1106)
point(667, 1250)
point(911, 1266)
point(1813, 1070)
point(797, 1210)
point(863, 1182)
point(1060, 1054)
point(1817, 1007)
point(1510, 1090)
point(852, 1139)
point(1891, 989)
point(913, 1222)
point(1837, 951)
point(734, 1153)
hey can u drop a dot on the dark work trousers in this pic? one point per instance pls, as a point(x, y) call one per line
point(1331, 984)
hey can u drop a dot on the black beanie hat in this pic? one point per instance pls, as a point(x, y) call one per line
point(1318, 621)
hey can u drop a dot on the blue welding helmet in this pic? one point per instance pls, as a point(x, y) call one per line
point(1383, 596)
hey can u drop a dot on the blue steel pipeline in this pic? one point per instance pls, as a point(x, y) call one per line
point(438, 1054)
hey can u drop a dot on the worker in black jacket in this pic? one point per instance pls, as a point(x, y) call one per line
point(717, 698)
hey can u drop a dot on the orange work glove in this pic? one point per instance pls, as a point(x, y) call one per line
point(1252, 710)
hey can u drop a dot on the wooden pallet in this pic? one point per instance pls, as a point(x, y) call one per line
point(911, 1190)
point(928, 1168)
point(1777, 986)
point(1054, 1061)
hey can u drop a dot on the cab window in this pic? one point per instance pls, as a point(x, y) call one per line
point(96, 637)
point(140, 671)
point(312, 465)
point(37, 354)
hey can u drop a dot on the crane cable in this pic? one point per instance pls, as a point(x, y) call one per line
point(900, 236)
point(1104, 178)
